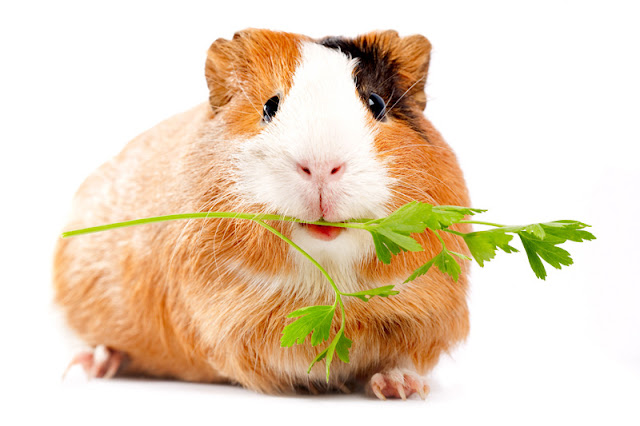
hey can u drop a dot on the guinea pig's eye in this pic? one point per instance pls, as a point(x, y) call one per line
point(270, 108)
point(377, 106)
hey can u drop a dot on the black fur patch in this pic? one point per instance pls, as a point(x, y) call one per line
point(377, 73)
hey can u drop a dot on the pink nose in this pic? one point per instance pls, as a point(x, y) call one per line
point(322, 172)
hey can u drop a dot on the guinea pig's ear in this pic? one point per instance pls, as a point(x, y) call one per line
point(217, 70)
point(252, 55)
point(224, 59)
point(413, 55)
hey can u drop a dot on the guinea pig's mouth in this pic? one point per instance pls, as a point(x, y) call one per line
point(323, 232)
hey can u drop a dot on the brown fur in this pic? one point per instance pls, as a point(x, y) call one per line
point(171, 296)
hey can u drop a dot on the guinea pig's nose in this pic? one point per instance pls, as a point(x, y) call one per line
point(322, 172)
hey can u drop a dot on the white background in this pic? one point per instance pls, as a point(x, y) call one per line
point(539, 101)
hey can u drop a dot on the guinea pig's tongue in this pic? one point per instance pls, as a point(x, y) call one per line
point(325, 233)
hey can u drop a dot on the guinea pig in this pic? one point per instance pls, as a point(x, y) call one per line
point(319, 129)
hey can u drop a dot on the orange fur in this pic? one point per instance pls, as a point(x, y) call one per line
point(172, 296)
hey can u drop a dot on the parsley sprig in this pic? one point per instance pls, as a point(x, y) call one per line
point(392, 236)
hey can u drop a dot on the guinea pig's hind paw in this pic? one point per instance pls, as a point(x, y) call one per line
point(102, 362)
point(397, 383)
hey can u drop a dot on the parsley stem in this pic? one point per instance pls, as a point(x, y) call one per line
point(342, 317)
point(327, 276)
point(356, 223)
point(444, 246)
point(304, 253)
point(478, 222)
point(451, 231)
point(258, 218)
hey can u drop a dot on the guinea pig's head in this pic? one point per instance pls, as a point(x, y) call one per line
point(330, 129)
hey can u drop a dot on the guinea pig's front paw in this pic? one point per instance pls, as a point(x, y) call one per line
point(102, 362)
point(397, 383)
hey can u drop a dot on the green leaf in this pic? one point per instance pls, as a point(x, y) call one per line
point(540, 241)
point(445, 216)
point(383, 253)
point(388, 242)
point(443, 261)
point(564, 229)
point(314, 319)
point(483, 244)
point(342, 348)
point(535, 229)
point(339, 344)
point(405, 242)
point(534, 259)
point(568, 230)
point(384, 247)
point(460, 255)
point(508, 249)
point(365, 295)
point(448, 264)
point(407, 219)
point(318, 358)
point(391, 234)
point(422, 269)
point(546, 250)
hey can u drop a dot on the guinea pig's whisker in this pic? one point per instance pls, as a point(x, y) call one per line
point(401, 148)
point(233, 111)
point(388, 101)
point(235, 72)
point(226, 108)
point(405, 196)
point(386, 80)
point(406, 173)
point(401, 190)
point(443, 183)
point(403, 95)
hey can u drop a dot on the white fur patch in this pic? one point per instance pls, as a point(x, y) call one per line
point(308, 282)
point(321, 121)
